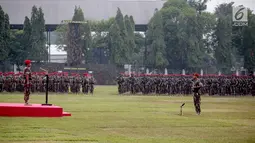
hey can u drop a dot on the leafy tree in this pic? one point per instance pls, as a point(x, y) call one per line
point(185, 24)
point(248, 42)
point(171, 13)
point(87, 43)
point(124, 36)
point(175, 23)
point(76, 39)
point(102, 25)
point(42, 37)
point(4, 33)
point(115, 44)
point(139, 42)
point(138, 55)
point(20, 45)
point(4, 38)
point(18, 52)
point(131, 19)
point(155, 41)
point(78, 14)
point(224, 51)
point(26, 36)
point(38, 50)
point(232, 43)
point(100, 40)
point(199, 5)
point(120, 22)
point(130, 37)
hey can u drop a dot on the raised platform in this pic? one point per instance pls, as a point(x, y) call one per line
point(32, 110)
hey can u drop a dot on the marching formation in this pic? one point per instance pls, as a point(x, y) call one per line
point(58, 82)
point(179, 84)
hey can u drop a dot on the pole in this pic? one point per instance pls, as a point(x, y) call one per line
point(49, 48)
point(46, 88)
point(47, 37)
point(181, 113)
point(145, 53)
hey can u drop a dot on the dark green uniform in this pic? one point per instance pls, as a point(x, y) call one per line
point(196, 98)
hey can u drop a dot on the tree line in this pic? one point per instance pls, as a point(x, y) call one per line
point(181, 35)
point(18, 45)
point(115, 38)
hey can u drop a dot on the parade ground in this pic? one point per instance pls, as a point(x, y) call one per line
point(107, 117)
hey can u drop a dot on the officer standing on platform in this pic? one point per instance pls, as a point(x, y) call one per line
point(27, 81)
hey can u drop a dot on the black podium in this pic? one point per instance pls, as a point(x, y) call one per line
point(46, 89)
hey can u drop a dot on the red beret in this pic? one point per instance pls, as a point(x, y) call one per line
point(196, 74)
point(27, 62)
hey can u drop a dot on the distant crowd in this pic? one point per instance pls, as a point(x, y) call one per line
point(173, 84)
point(182, 85)
point(58, 82)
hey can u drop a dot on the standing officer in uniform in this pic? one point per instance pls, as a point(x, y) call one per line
point(120, 81)
point(1, 82)
point(92, 81)
point(132, 84)
point(196, 89)
point(27, 80)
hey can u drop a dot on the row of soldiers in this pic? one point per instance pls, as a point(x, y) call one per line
point(57, 82)
point(180, 84)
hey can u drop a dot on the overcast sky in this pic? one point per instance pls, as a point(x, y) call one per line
point(246, 3)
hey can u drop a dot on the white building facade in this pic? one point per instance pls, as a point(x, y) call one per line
point(56, 55)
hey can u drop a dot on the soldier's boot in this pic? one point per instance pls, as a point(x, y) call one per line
point(196, 99)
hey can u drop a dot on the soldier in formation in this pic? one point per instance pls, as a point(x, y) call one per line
point(58, 82)
point(182, 85)
point(252, 83)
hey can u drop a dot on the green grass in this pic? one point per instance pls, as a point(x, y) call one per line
point(109, 118)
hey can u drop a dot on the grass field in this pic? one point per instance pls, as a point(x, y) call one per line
point(109, 118)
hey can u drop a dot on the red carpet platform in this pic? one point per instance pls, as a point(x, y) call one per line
point(32, 110)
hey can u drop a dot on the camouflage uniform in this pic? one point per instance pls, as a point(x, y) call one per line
point(132, 83)
point(253, 86)
point(85, 85)
point(1, 83)
point(91, 85)
point(196, 98)
point(120, 81)
point(27, 83)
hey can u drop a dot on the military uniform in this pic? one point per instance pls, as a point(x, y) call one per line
point(85, 84)
point(1, 82)
point(27, 81)
point(132, 83)
point(196, 98)
point(120, 81)
point(253, 86)
point(91, 84)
